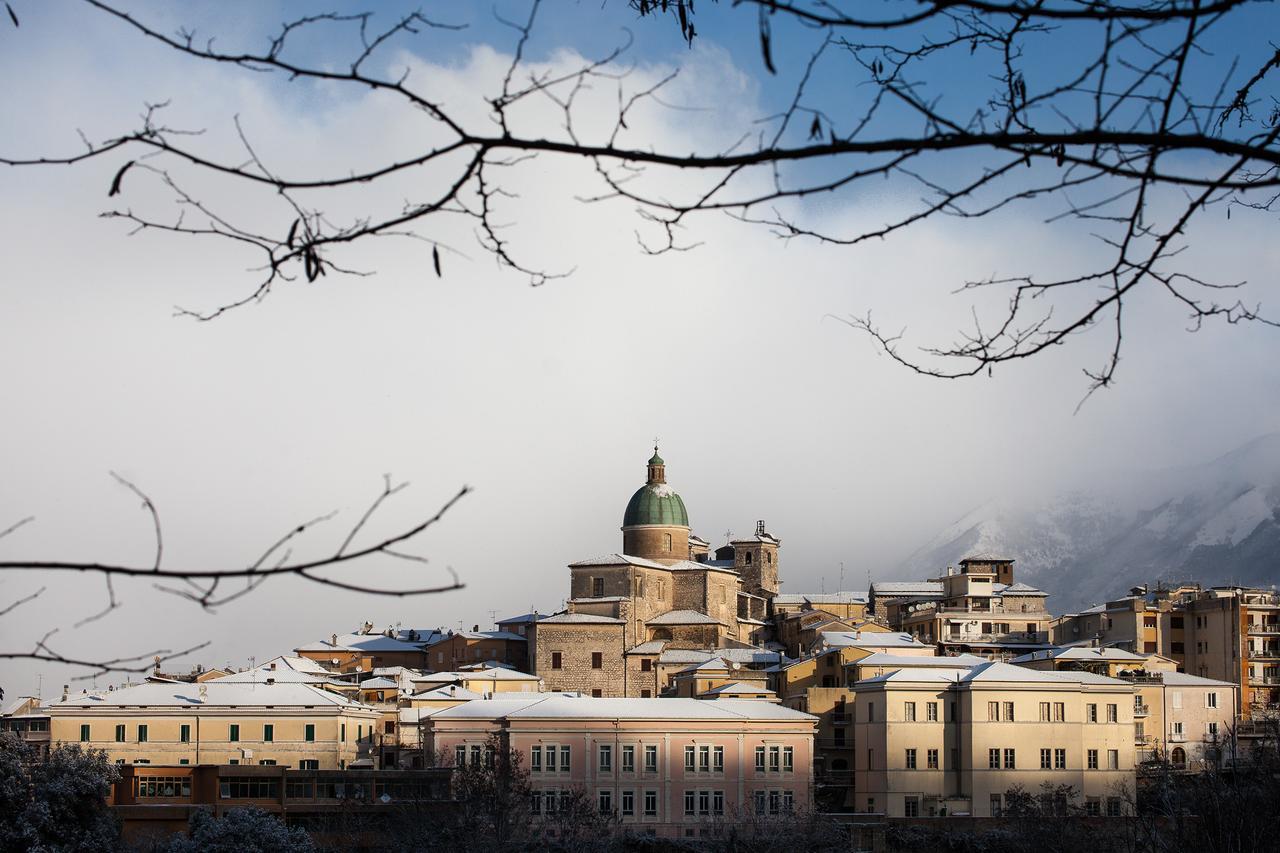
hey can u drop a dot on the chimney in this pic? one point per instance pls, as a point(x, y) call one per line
point(760, 528)
point(273, 666)
point(333, 639)
point(270, 680)
point(65, 689)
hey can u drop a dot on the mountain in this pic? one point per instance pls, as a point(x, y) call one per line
point(1215, 523)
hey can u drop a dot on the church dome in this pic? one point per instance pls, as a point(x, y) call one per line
point(655, 503)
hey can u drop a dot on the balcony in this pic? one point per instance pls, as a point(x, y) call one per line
point(1266, 680)
point(1268, 629)
point(1012, 636)
point(1141, 710)
point(1177, 737)
point(1256, 654)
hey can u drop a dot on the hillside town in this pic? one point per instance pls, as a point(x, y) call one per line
point(680, 687)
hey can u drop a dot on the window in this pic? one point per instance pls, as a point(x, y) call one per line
point(268, 733)
point(646, 665)
point(954, 715)
point(689, 803)
point(163, 786)
point(550, 756)
point(459, 756)
point(1113, 759)
point(704, 759)
point(911, 759)
point(1059, 712)
point(1009, 763)
point(556, 660)
point(759, 759)
point(788, 759)
point(646, 694)
point(1092, 759)
point(666, 541)
point(535, 759)
point(1092, 807)
point(1212, 730)
point(1059, 759)
point(871, 759)
point(249, 788)
point(911, 807)
point(1177, 729)
point(309, 732)
point(184, 733)
point(535, 802)
point(774, 764)
point(1175, 699)
point(650, 803)
point(651, 759)
point(909, 712)
point(1112, 713)
point(628, 759)
point(931, 759)
point(267, 762)
point(142, 734)
point(931, 711)
point(564, 759)
point(993, 759)
point(704, 802)
point(1008, 711)
point(717, 802)
point(871, 712)
point(871, 805)
point(759, 798)
point(996, 805)
point(184, 760)
point(606, 758)
point(774, 802)
point(1046, 759)
point(84, 732)
point(1091, 713)
point(717, 759)
point(597, 693)
point(628, 803)
point(1044, 712)
point(1211, 700)
point(475, 755)
point(342, 732)
point(604, 798)
point(234, 732)
point(120, 733)
point(690, 759)
point(309, 764)
point(747, 558)
point(1113, 807)
point(993, 711)
point(597, 660)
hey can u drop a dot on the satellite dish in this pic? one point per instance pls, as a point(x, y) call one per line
point(385, 798)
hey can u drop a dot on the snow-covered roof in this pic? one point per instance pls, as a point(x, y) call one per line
point(821, 598)
point(581, 619)
point(379, 684)
point(682, 617)
point(1101, 654)
point(747, 656)
point(709, 565)
point(906, 588)
point(522, 619)
point(602, 599)
point(557, 706)
point(448, 692)
point(888, 659)
point(985, 558)
point(13, 706)
point(475, 675)
point(869, 640)
point(1184, 679)
point(211, 694)
point(715, 664)
point(1022, 589)
point(737, 688)
point(482, 635)
point(999, 671)
point(365, 643)
point(617, 560)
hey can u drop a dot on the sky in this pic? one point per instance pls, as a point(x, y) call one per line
point(545, 400)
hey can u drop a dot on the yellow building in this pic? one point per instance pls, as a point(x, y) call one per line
point(934, 741)
point(292, 724)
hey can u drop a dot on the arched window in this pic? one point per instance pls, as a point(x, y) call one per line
point(1179, 757)
point(768, 557)
point(666, 541)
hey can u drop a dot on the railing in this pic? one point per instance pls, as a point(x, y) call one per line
point(1026, 636)
point(1177, 737)
point(1264, 629)
point(1254, 654)
point(1264, 679)
point(1141, 710)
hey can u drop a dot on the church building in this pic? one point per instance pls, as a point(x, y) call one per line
point(665, 590)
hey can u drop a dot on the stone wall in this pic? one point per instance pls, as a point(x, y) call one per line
point(576, 643)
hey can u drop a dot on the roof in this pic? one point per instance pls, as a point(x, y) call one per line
point(708, 566)
point(448, 692)
point(656, 504)
point(869, 640)
point(365, 643)
point(379, 684)
point(998, 671)
point(522, 619)
point(682, 617)
point(482, 635)
point(985, 558)
point(747, 656)
point(650, 648)
point(736, 688)
point(888, 659)
point(729, 710)
point(906, 588)
point(210, 694)
point(1022, 589)
point(580, 618)
point(821, 598)
point(617, 560)
point(1081, 653)
point(1184, 679)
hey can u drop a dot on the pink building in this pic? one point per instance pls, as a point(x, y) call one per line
point(667, 766)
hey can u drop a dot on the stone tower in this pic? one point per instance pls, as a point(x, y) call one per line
point(655, 525)
point(756, 559)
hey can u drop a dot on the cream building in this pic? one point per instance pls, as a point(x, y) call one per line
point(215, 722)
point(934, 741)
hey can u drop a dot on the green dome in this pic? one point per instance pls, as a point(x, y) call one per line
point(656, 503)
point(656, 459)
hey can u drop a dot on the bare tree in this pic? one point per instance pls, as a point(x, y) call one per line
point(1136, 134)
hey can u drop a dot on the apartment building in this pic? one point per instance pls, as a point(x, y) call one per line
point(174, 723)
point(28, 721)
point(1134, 623)
point(672, 767)
point(932, 741)
point(845, 605)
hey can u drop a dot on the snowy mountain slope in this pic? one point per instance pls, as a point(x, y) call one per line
point(1217, 522)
